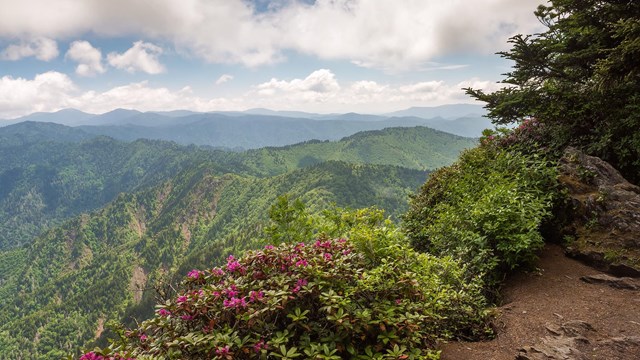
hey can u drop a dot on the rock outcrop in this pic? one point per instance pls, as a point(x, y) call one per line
point(578, 340)
point(614, 282)
point(603, 215)
point(564, 342)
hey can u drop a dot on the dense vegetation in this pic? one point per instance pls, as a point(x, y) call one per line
point(415, 148)
point(580, 79)
point(487, 209)
point(44, 182)
point(368, 295)
point(60, 291)
point(50, 172)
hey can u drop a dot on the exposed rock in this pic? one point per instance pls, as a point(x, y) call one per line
point(604, 214)
point(563, 344)
point(577, 340)
point(615, 282)
point(137, 283)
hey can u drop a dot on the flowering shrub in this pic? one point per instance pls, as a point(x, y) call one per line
point(531, 136)
point(94, 356)
point(322, 300)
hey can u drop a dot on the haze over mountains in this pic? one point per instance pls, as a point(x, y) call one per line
point(257, 128)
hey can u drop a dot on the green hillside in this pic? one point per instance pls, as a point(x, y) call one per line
point(415, 148)
point(59, 291)
point(43, 182)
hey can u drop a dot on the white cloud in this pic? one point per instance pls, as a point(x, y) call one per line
point(320, 81)
point(224, 78)
point(49, 91)
point(319, 92)
point(404, 35)
point(41, 48)
point(89, 59)
point(138, 96)
point(142, 56)
point(386, 34)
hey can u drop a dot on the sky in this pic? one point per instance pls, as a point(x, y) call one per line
point(323, 56)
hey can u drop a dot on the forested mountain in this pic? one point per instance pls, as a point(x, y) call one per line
point(44, 182)
point(416, 148)
point(258, 128)
point(51, 172)
point(256, 131)
point(58, 292)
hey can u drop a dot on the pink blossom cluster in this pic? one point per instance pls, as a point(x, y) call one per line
point(223, 351)
point(235, 302)
point(194, 274)
point(299, 284)
point(93, 356)
point(233, 265)
point(259, 346)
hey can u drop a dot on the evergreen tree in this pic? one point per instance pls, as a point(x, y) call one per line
point(579, 78)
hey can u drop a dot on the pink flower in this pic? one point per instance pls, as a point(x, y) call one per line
point(164, 312)
point(143, 338)
point(256, 295)
point(323, 244)
point(398, 301)
point(302, 263)
point(194, 274)
point(186, 317)
point(235, 303)
point(91, 356)
point(181, 299)
point(217, 272)
point(231, 291)
point(299, 284)
point(223, 351)
point(234, 265)
point(269, 247)
point(326, 256)
point(259, 346)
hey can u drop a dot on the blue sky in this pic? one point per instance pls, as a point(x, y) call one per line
point(367, 56)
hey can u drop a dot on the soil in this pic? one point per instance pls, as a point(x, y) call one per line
point(541, 309)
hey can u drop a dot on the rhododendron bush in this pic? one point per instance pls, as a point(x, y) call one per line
point(322, 300)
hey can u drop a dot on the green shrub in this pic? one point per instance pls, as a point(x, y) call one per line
point(370, 297)
point(485, 210)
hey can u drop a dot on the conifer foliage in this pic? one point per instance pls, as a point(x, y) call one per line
point(579, 78)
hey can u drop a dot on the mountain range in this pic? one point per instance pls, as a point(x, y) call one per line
point(258, 128)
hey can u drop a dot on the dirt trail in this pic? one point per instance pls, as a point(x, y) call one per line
point(537, 305)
